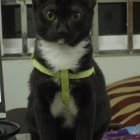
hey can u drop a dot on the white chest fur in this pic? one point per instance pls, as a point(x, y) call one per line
point(62, 56)
point(67, 112)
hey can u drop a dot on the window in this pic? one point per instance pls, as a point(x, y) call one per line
point(115, 30)
point(112, 26)
point(136, 37)
point(11, 26)
point(112, 14)
point(116, 27)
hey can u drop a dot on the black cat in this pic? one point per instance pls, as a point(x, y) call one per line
point(64, 42)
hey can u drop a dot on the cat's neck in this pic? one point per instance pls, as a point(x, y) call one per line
point(57, 56)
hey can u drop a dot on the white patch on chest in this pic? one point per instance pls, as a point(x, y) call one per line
point(69, 113)
point(62, 56)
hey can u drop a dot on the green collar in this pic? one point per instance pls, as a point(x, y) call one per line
point(64, 77)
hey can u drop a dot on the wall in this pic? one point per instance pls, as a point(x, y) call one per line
point(16, 75)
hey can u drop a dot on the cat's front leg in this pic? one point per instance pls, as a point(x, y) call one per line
point(46, 125)
point(85, 124)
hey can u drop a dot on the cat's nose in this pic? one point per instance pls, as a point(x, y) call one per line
point(62, 31)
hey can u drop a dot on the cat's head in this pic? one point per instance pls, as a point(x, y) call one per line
point(63, 21)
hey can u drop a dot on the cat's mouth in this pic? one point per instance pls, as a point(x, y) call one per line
point(61, 41)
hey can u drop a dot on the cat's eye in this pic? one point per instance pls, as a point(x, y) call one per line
point(75, 17)
point(50, 15)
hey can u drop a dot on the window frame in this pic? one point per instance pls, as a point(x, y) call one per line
point(24, 37)
point(26, 42)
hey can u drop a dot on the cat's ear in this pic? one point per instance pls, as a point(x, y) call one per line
point(91, 3)
point(36, 3)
